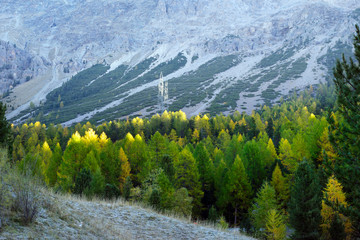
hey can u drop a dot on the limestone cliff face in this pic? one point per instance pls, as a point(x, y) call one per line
point(66, 36)
point(18, 66)
point(90, 30)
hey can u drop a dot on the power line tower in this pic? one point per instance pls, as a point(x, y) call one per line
point(163, 93)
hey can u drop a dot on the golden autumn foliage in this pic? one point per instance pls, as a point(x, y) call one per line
point(125, 168)
point(326, 147)
point(286, 155)
point(333, 192)
point(195, 136)
point(281, 187)
point(45, 157)
point(271, 148)
point(134, 148)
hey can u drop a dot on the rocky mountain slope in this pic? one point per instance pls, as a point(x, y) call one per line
point(18, 66)
point(66, 217)
point(218, 56)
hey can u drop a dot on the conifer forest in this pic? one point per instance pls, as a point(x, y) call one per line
point(286, 171)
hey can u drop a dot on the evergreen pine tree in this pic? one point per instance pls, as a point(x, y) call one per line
point(82, 182)
point(4, 125)
point(212, 214)
point(270, 128)
point(252, 129)
point(305, 203)
point(155, 198)
point(204, 165)
point(221, 178)
point(5, 129)
point(345, 136)
point(97, 185)
point(206, 175)
point(127, 188)
point(337, 229)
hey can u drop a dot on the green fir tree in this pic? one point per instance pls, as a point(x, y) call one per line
point(305, 203)
point(345, 134)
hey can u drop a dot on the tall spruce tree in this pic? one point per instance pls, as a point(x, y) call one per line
point(305, 203)
point(336, 230)
point(270, 128)
point(206, 176)
point(345, 136)
point(5, 129)
point(127, 188)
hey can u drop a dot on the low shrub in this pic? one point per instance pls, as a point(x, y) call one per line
point(26, 197)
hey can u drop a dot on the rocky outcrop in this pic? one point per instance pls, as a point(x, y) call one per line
point(18, 66)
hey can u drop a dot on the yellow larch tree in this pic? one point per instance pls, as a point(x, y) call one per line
point(124, 168)
point(46, 154)
point(271, 148)
point(195, 136)
point(286, 155)
point(326, 147)
point(279, 183)
point(275, 226)
point(333, 193)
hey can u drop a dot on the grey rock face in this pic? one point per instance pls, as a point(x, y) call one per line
point(17, 66)
point(89, 30)
point(71, 35)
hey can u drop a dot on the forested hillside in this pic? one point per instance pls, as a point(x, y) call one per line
point(203, 167)
point(294, 165)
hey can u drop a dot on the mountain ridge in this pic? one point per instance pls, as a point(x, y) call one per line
point(129, 32)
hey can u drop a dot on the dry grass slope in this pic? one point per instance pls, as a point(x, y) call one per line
point(68, 217)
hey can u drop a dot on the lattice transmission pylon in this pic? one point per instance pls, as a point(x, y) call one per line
point(163, 93)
